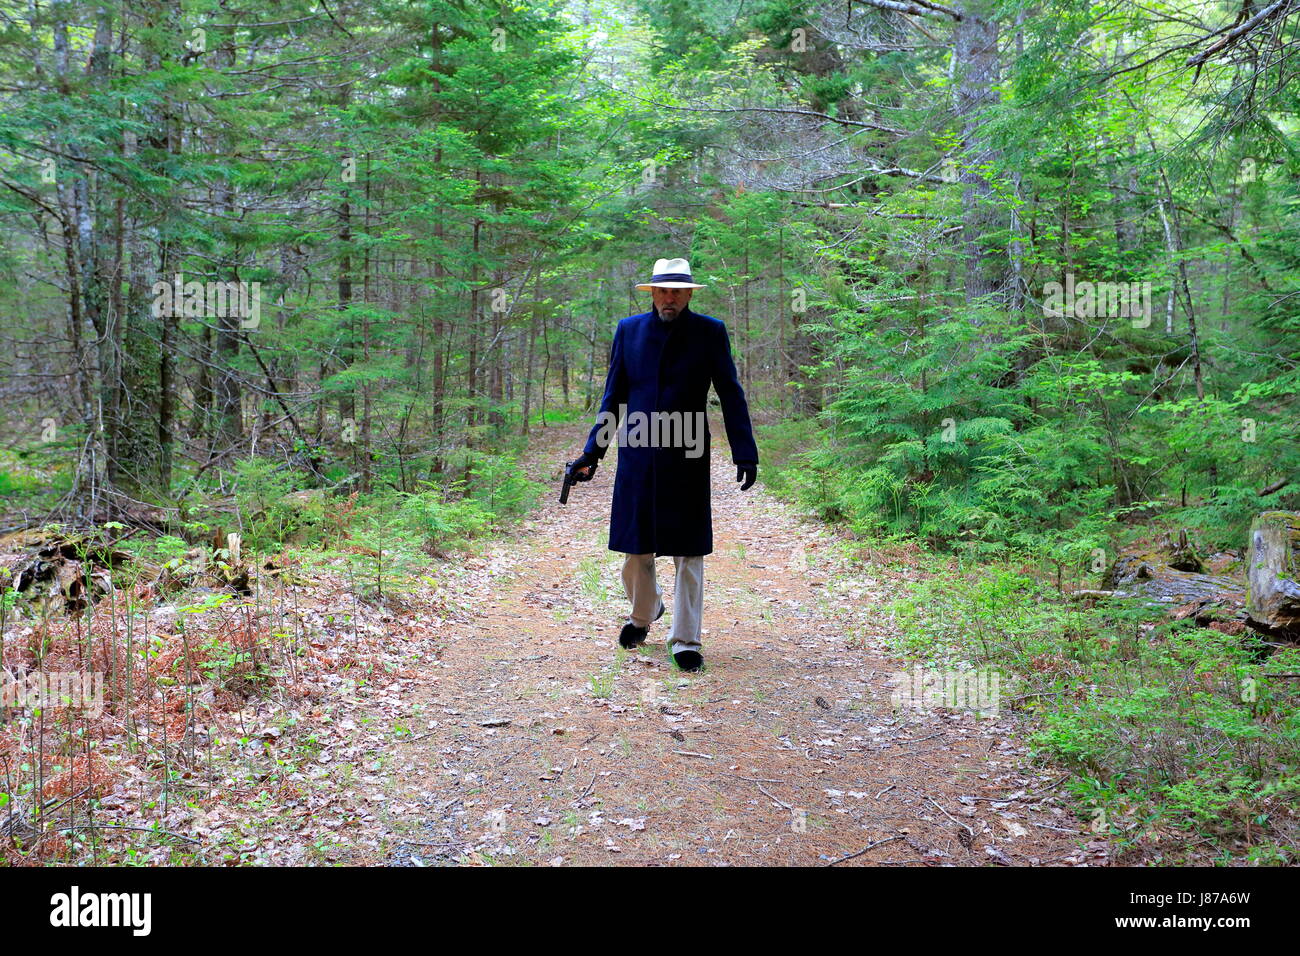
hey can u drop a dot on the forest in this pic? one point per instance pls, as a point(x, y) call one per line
point(307, 304)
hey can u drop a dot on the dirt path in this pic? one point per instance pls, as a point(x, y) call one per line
point(539, 741)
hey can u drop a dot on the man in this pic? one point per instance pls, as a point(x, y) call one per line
point(660, 368)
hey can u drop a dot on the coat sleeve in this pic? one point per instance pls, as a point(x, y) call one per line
point(615, 398)
point(735, 410)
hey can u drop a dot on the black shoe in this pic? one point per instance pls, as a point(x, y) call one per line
point(689, 660)
point(632, 636)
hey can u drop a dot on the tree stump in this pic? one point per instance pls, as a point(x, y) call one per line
point(1272, 567)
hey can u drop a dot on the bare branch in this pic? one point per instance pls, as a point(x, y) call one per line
point(1271, 12)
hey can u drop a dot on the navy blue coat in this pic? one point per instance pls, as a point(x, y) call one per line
point(661, 495)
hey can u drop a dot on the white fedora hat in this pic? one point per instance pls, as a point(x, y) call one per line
point(671, 274)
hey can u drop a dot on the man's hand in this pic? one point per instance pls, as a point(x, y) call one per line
point(747, 472)
point(584, 467)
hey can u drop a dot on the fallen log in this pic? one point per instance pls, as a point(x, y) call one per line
point(1172, 574)
point(64, 570)
point(1275, 486)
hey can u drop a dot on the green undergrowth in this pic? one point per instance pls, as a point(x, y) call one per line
point(384, 541)
point(1182, 743)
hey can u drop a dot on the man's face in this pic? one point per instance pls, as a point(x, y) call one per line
point(670, 302)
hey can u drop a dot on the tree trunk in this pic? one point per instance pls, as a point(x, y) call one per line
point(975, 58)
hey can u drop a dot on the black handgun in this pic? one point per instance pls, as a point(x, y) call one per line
point(569, 482)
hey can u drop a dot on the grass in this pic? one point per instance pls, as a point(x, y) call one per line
point(590, 572)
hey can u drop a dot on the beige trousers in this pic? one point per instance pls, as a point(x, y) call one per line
point(646, 595)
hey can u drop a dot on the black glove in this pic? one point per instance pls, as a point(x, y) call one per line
point(748, 472)
point(585, 460)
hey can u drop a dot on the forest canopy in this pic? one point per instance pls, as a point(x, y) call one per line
point(1027, 269)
